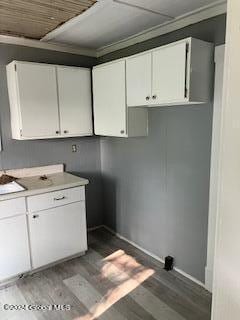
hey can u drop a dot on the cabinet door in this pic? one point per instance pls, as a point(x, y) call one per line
point(139, 80)
point(14, 250)
point(74, 87)
point(37, 91)
point(57, 233)
point(109, 92)
point(169, 74)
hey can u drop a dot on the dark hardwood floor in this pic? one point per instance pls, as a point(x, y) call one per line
point(113, 281)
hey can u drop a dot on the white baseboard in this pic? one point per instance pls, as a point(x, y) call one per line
point(95, 228)
point(208, 278)
point(186, 275)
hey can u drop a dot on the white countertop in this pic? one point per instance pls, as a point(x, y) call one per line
point(54, 182)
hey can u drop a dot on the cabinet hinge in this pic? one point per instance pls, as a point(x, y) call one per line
point(15, 67)
point(21, 132)
point(186, 92)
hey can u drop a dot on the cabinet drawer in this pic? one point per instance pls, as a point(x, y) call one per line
point(9, 208)
point(55, 199)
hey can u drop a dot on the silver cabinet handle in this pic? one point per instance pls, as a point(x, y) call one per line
point(122, 131)
point(57, 132)
point(35, 216)
point(154, 96)
point(148, 98)
point(65, 131)
point(58, 199)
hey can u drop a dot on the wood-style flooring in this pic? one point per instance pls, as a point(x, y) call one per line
point(113, 281)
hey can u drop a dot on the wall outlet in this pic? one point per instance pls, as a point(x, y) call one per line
point(74, 148)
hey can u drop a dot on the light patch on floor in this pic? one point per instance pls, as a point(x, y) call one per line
point(127, 276)
point(119, 266)
point(93, 301)
point(125, 284)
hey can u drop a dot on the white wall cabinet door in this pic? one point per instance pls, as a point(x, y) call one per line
point(169, 74)
point(57, 233)
point(75, 103)
point(109, 87)
point(112, 117)
point(38, 101)
point(14, 249)
point(139, 80)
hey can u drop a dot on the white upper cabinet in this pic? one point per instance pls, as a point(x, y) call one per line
point(75, 104)
point(109, 99)
point(49, 101)
point(169, 74)
point(139, 80)
point(36, 90)
point(175, 74)
point(111, 115)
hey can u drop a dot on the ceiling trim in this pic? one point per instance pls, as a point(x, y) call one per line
point(48, 46)
point(206, 12)
point(70, 23)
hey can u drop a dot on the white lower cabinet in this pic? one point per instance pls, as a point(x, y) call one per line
point(57, 233)
point(52, 227)
point(14, 247)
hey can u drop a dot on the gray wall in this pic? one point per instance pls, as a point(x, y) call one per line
point(19, 154)
point(156, 188)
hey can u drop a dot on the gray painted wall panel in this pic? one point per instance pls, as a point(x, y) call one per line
point(19, 154)
point(156, 188)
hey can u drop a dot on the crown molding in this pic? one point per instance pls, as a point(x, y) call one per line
point(215, 9)
point(48, 46)
point(100, 4)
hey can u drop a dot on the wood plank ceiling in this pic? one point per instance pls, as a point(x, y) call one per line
point(35, 18)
